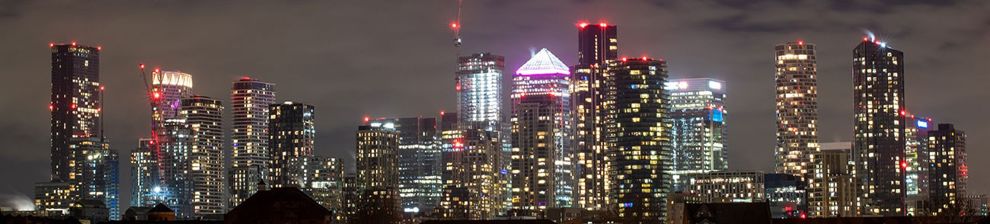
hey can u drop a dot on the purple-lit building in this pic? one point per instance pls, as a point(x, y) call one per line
point(541, 154)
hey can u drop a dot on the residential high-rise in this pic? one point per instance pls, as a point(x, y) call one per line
point(836, 168)
point(916, 155)
point(80, 156)
point(597, 47)
point(948, 171)
point(797, 115)
point(479, 90)
point(76, 103)
point(878, 150)
point(541, 153)
point(175, 185)
point(638, 132)
point(204, 119)
point(699, 131)
point(472, 180)
point(420, 164)
point(377, 165)
point(292, 134)
point(249, 101)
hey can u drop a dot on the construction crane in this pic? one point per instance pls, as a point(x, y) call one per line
point(153, 99)
point(456, 25)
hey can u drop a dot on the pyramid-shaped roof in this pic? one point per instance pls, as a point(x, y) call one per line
point(543, 62)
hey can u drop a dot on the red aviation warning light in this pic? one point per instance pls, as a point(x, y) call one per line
point(603, 24)
point(904, 165)
point(141, 66)
point(453, 25)
point(51, 44)
point(583, 25)
point(156, 95)
point(367, 119)
point(51, 107)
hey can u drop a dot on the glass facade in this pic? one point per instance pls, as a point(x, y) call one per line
point(699, 130)
point(541, 156)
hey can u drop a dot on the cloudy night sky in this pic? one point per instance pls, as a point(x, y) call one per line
point(396, 58)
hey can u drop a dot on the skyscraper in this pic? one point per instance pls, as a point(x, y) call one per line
point(699, 131)
point(948, 172)
point(638, 133)
point(76, 103)
point(878, 150)
point(80, 156)
point(377, 165)
point(168, 88)
point(541, 153)
point(479, 90)
point(175, 186)
point(204, 119)
point(250, 99)
point(420, 164)
point(916, 155)
point(797, 115)
point(597, 47)
point(292, 131)
point(142, 181)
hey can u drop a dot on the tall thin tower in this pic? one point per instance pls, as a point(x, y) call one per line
point(75, 103)
point(541, 153)
point(878, 150)
point(250, 100)
point(204, 117)
point(797, 116)
point(597, 46)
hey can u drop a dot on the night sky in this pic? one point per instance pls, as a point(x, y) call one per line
point(396, 58)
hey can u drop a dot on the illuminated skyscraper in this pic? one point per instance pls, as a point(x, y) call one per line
point(142, 182)
point(75, 105)
point(204, 119)
point(948, 172)
point(80, 156)
point(175, 186)
point(797, 115)
point(479, 90)
point(878, 150)
point(250, 99)
point(638, 133)
point(292, 134)
point(916, 155)
point(597, 46)
point(377, 165)
point(472, 181)
point(420, 164)
point(699, 130)
point(168, 90)
point(541, 153)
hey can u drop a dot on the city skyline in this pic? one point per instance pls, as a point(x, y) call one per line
point(214, 80)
